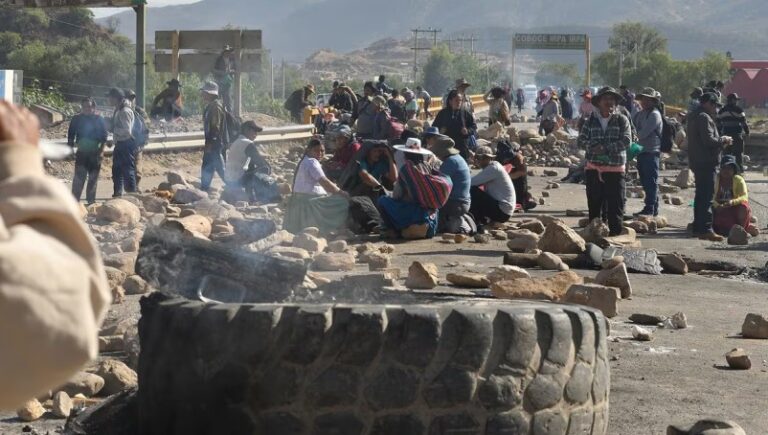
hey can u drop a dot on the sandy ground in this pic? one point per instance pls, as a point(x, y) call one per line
point(678, 377)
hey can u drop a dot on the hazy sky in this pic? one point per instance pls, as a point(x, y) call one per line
point(103, 12)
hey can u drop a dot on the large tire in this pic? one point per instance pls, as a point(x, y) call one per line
point(451, 368)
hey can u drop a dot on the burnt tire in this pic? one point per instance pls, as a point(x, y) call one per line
point(463, 368)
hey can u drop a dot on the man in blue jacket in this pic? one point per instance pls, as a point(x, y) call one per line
point(87, 132)
point(649, 127)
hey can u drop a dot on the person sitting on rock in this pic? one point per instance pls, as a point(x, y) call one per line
point(454, 216)
point(731, 203)
point(168, 104)
point(411, 212)
point(514, 163)
point(492, 192)
point(316, 201)
point(54, 293)
point(247, 169)
point(346, 148)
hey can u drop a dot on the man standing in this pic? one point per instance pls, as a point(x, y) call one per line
point(365, 112)
point(649, 129)
point(224, 74)
point(130, 95)
point(88, 132)
point(733, 122)
point(382, 87)
point(457, 123)
point(461, 86)
point(124, 155)
point(495, 202)
point(629, 99)
point(342, 98)
point(298, 101)
point(426, 98)
point(705, 146)
point(606, 136)
point(213, 126)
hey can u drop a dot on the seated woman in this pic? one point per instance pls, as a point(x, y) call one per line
point(412, 210)
point(346, 148)
point(493, 195)
point(375, 172)
point(731, 203)
point(247, 169)
point(316, 201)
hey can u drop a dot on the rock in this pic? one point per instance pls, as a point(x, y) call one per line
point(708, 427)
point(468, 280)
point(117, 376)
point(738, 236)
point(676, 200)
point(545, 194)
point(135, 285)
point(111, 249)
point(312, 231)
point(559, 238)
point(583, 222)
point(310, 243)
point(551, 289)
point(755, 326)
point(460, 238)
point(87, 384)
point(31, 410)
point(118, 295)
point(612, 262)
point(505, 273)
point(647, 319)
point(641, 334)
point(595, 231)
point(639, 227)
point(131, 244)
point(653, 228)
point(111, 343)
point(289, 252)
point(62, 405)
point(187, 195)
point(191, 224)
point(738, 359)
point(533, 226)
point(550, 173)
point(679, 320)
point(387, 248)
point(542, 201)
point(603, 298)
point(281, 237)
point(499, 234)
point(549, 261)
point(665, 188)
point(522, 240)
point(337, 246)
point(115, 277)
point(120, 211)
point(616, 277)
point(627, 238)
point(484, 239)
point(554, 185)
point(684, 179)
point(422, 276)
point(175, 177)
point(673, 264)
point(124, 262)
point(378, 261)
point(333, 262)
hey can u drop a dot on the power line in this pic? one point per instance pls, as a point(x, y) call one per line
point(416, 47)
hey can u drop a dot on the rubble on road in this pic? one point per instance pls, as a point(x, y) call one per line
point(755, 326)
point(708, 427)
point(422, 276)
point(597, 296)
point(641, 334)
point(468, 280)
point(647, 319)
point(31, 410)
point(552, 289)
point(738, 359)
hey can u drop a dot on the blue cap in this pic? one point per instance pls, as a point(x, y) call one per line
point(431, 131)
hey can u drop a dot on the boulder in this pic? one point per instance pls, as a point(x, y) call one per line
point(117, 376)
point(115, 277)
point(616, 277)
point(738, 236)
point(62, 405)
point(708, 427)
point(647, 319)
point(422, 276)
point(289, 252)
point(684, 179)
point(552, 289)
point(175, 177)
point(499, 234)
point(549, 261)
point(460, 238)
point(522, 240)
point(31, 410)
point(124, 262)
point(337, 246)
point(679, 320)
point(120, 211)
point(310, 243)
point(504, 273)
point(484, 239)
point(673, 264)
point(676, 200)
point(191, 224)
point(605, 299)
point(378, 261)
point(468, 280)
point(639, 227)
point(187, 195)
point(534, 226)
point(641, 334)
point(738, 359)
point(329, 262)
point(559, 238)
point(87, 384)
point(135, 285)
point(755, 326)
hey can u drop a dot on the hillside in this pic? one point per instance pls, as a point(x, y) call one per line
point(296, 28)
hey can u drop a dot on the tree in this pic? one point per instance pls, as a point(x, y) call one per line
point(632, 36)
point(559, 74)
point(437, 74)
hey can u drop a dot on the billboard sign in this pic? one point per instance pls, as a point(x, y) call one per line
point(550, 41)
point(71, 3)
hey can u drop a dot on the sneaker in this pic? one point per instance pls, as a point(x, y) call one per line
point(711, 236)
point(530, 205)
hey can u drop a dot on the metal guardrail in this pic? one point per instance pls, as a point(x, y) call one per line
point(196, 140)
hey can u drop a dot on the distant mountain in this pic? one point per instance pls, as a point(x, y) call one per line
point(294, 29)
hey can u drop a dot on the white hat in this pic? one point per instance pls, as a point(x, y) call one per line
point(210, 88)
point(413, 145)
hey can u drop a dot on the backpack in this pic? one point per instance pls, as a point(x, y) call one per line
point(428, 188)
point(505, 152)
point(231, 128)
point(139, 130)
point(395, 128)
point(668, 134)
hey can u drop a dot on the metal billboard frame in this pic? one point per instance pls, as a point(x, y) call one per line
point(553, 41)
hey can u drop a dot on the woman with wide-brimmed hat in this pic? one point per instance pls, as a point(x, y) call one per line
point(649, 125)
point(606, 136)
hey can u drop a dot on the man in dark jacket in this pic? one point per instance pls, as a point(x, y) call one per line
point(213, 127)
point(705, 146)
point(457, 123)
point(224, 73)
point(731, 121)
point(342, 99)
point(382, 87)
point(364, 116)
point(87, 131)
point(168, 103)
point(298, 101)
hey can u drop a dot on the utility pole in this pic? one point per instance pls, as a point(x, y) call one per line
point(471, 40)
point(621, 62)
point(416, 47)
point(272, 76)
point(283, 74)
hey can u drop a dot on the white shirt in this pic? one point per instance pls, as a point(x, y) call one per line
point(308, 177)
point(236, 159)
point(497, 184)
point(604, 121)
